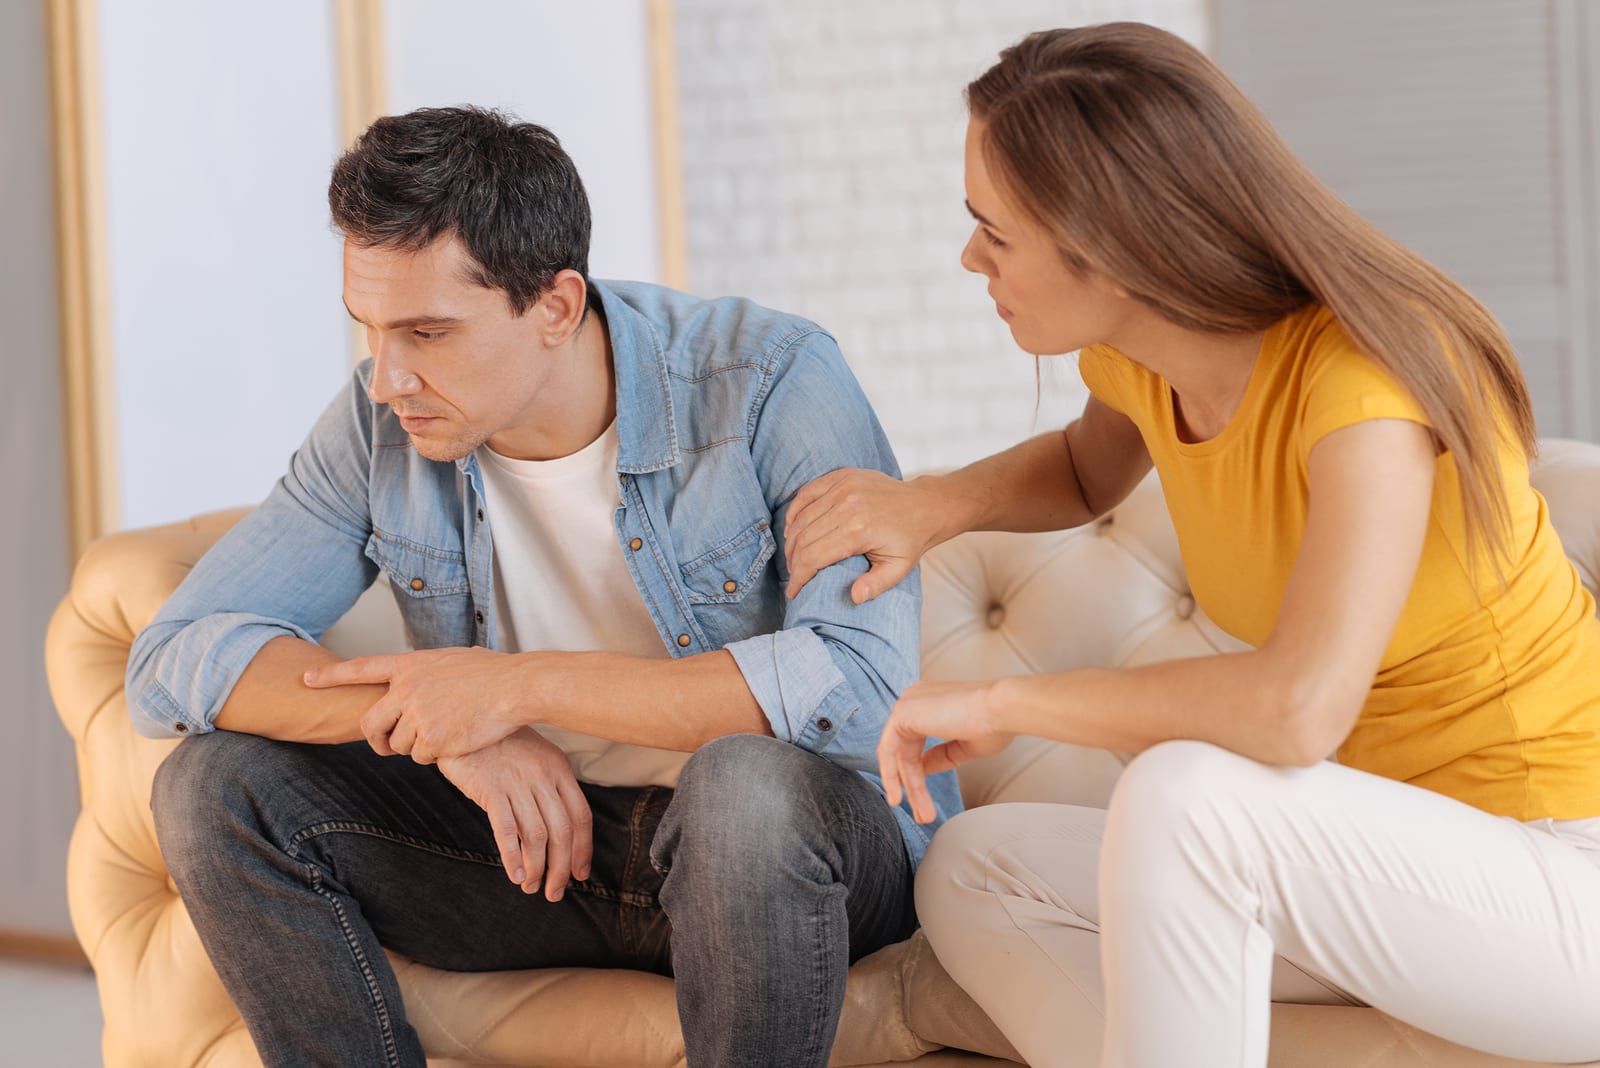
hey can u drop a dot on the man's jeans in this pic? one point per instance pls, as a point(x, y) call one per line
point(298, 862)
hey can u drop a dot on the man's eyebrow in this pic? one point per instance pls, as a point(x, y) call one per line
point(415, 320)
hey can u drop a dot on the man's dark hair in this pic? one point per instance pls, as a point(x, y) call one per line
point(505, 188)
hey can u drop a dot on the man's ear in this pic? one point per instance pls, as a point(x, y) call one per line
point(560, 308)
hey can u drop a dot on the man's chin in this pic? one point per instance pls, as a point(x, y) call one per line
point(444, 452)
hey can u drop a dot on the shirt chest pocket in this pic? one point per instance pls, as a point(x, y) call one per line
point(415, 570)
point(431, 588)
point(724, 575)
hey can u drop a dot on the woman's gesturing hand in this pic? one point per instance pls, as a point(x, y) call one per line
point(853, 512)
point(960, 713)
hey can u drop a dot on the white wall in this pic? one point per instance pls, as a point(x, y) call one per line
point(580, 70)
point(1471, 132)
point(228, 338)
point(822, 148)
point(38, 790)
point(221, 122)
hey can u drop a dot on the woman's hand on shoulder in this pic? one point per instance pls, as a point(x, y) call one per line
point(854, 512)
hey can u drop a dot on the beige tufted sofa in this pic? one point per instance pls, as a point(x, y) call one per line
point(1113, 593)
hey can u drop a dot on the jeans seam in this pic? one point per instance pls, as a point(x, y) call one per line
point(374, 992)
point(317, 830)
point(820, 1000)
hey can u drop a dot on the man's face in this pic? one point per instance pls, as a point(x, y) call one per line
point(448, 355)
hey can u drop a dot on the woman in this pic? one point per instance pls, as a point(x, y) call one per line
point(1343, 435)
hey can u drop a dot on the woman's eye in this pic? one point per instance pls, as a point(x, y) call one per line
point(995, 241)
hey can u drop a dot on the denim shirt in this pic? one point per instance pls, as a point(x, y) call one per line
point(724, 410)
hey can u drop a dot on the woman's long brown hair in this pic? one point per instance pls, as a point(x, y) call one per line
point(1147, 163)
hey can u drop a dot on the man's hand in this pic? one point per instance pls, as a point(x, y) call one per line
point(441, 702)
point(540, 818)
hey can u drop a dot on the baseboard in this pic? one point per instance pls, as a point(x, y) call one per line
point(52, 948)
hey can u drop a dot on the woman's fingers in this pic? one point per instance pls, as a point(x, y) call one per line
point(885, 573)
point(801, 509)
point(828, 543)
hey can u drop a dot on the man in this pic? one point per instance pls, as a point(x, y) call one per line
point(577, 492)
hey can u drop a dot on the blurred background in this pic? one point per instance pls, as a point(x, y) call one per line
point(171, 288)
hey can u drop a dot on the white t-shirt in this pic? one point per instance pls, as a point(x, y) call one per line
point(561, 583)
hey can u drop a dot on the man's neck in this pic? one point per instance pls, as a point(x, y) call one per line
point(578, 402)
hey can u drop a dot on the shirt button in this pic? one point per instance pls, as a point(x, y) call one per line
point(479, 616)
point(824, 724)
point(683, 640)
point(636, 544)
point(480, 515)
point(730, 586)
point(181, 728)
point(417, 584)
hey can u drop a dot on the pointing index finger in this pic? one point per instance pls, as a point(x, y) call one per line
point(361, 670)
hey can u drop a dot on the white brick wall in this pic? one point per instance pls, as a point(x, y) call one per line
point(822, 146)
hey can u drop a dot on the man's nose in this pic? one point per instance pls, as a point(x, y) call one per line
point(390, 378)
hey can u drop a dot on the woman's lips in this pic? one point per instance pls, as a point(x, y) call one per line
point(1004, 312)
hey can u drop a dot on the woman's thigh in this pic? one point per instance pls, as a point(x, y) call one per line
point(1473, 927)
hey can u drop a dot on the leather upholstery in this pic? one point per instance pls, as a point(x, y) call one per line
point(1113, 593)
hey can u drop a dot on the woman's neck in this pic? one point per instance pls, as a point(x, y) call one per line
point(1208, 373)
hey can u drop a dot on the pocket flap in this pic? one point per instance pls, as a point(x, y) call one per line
point(415, 569)
point(722, 575)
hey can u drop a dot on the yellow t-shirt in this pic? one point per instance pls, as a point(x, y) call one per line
point(1490, 696)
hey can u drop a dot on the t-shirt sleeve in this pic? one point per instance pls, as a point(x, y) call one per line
point(1104, 373)
point(1349, 387)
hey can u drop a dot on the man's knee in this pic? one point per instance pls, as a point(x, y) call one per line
point(208, 789)
point(748, 800)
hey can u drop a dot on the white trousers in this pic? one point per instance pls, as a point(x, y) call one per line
point(1156, 933)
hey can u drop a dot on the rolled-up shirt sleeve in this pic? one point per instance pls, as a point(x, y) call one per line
point(291, 567)
point(828, 679)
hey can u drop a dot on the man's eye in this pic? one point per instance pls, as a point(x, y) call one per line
point(426, 335)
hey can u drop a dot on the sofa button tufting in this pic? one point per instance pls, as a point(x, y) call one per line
point(996, 616)
point(1103, 527)
point(1185, 607)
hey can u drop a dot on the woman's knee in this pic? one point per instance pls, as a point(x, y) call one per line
point(1184, 805)
point(989, 860)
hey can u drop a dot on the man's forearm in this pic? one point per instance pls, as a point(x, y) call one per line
point(271, 698)
point(666, 704)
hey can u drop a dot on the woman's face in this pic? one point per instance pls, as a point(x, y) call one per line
point(1050, 307)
